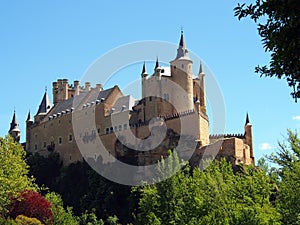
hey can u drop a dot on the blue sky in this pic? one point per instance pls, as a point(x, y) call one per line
point(41, 41)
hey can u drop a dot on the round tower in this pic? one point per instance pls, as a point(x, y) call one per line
point(14, 130)
point(182, 72)
point(29, 123)
point(144, 76)
point(248, 137)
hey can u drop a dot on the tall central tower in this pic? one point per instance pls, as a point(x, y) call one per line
point(182, 72)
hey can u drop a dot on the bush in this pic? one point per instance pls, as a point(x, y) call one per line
point(32, 204)
point(24, 220)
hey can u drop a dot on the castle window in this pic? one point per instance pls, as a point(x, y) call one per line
point(120, 127)
point(166, 96)
point(58, 121)
point(70, 157)
point(35, 135)
point(150, 98)
point(45, 144)
point(125, 126)
point(70, 137)
point(35, 147)
point(60, 140)
point(99, 130)
point(116, 128)
point(182, 66)
point(111, 130)
point(107, 130)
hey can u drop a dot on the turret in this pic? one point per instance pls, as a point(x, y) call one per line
point(14, 130)
point(144, 76)
point(248, 136)
point(29, 123)
point(202, 97)
point(157, 69)
point(182, 71)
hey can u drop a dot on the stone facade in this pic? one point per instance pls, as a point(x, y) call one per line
point(172, 108)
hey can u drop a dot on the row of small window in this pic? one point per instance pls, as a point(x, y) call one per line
point(109, 130)
point(166, 97)
point(59, 140)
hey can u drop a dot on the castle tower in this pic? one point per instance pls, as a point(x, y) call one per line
point(60, 90)
point(248, 136)
point(202, 97)
point(182, 72)
point(44, 108)
point(29, 123)
point(14, 130)
point(144, 76)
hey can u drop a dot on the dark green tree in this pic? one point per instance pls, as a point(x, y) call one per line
point(288, 160)
point(278, 23)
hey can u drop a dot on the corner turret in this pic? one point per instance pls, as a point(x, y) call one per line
point(144, 76)
point(248, 136)
point(202, 97)
point(14, 130)
point(29, 123)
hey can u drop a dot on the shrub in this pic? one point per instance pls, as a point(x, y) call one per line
point(32, 204)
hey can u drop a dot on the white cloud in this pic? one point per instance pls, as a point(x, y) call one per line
point(296, 118)
point(265, 146)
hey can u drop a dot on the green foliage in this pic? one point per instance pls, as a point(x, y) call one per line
point(214, 196)
point(90, 218)
point(278, 24)
point(13, 172)
point(92, 191)
point(44, 170)
point(288, 159)
point(23, 220)
point(61, 216)
point(112, 220)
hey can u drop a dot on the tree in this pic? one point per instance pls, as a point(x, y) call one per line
point(278, 24)
point(13, 172)
point(214, 196)
point(288, 160)
point(44, 169)
point(61, 216)
point(31, 204)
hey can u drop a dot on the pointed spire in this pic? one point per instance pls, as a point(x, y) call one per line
point(144, 72)
point(29, 118)
point(156, 64)
point(182, 42)
point(144, 68)
point(247, 119)
point(201, 68)
point(45, 105)
point(182, 50)
point(14, 126)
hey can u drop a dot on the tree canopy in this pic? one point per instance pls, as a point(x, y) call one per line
point(278, 23)
point(13, 172)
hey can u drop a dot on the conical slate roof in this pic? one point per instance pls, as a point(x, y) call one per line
point(182, 51)
point(45, 105)
point(14, 126)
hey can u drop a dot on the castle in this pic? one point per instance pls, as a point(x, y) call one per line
point(173, 105)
